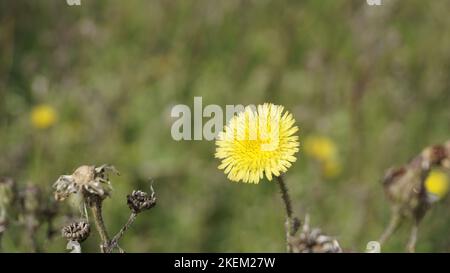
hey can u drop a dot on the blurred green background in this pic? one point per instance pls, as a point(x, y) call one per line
point(374, 80)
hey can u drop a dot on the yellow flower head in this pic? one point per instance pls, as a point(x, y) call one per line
point(321, 148)
point(437, 183)
point(43, 116)
point(257, 142)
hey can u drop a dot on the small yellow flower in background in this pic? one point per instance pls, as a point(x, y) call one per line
point(257, 142)
point(437, 183)
point(43, 116)
point(320, 147)
point(324, 150)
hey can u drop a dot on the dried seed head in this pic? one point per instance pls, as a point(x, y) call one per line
point(88, 180)
point(78, 231)
point(314, 241)
point(139, 201)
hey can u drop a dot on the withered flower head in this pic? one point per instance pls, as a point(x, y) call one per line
point(139, 201)
point(405, 186)
point(78, 231)
point(86, 180)
point(314, 241)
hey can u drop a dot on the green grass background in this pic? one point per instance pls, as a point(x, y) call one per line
point(374, 79)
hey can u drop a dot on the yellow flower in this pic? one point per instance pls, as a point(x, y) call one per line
point(43, 116)
point(437, 183)
point(257, 142)
point(320, 147)
point(331, 168)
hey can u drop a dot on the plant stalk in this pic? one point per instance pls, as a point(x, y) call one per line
point(288, 208)
point(119, 235)
point(96, 208)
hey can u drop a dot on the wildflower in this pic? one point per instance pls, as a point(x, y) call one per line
point(78, 231)
point(43, 116)
point(258, 142)
point(87, 180)
point(437, 184)
point(321, 148)
point(139, 201)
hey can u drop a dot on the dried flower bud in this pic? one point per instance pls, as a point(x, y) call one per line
point(139, 201)
point(78, 231)
point(314, 241)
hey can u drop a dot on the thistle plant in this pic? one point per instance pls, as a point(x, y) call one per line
point(412, 191)
point(261, 142)
point(92, 186)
